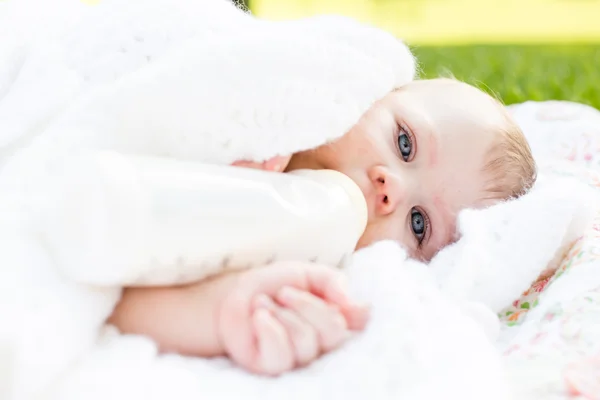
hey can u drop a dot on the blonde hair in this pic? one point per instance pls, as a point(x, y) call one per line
point(510, 168)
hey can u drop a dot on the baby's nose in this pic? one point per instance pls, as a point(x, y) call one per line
point(388, 191)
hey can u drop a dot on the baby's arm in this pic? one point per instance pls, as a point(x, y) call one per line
point(181, 319)
point(268, 320)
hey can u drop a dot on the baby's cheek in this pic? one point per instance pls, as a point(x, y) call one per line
point(366, 239)
point(382, 230)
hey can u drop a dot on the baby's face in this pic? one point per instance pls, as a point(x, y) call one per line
point(418, 156)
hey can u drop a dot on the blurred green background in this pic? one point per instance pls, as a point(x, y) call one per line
point(518, 49)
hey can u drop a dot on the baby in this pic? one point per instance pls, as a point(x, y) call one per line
point(419, 155)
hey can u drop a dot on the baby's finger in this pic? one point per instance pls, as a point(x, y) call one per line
point(328, 283)
point(332, 286)
point(330, 324)
point(303, 336)
point(275, 164)
point(248, 164)
point(275, 354)
point(357, 316)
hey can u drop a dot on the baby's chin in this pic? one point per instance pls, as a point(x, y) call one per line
point(373, 234)
point(369, 237)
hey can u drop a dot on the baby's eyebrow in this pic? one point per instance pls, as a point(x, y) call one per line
point(433, 149)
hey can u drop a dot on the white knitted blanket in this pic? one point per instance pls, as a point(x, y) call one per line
point(200, 80)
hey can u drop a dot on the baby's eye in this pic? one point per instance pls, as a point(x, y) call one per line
point(406, 143)
point(418, 224)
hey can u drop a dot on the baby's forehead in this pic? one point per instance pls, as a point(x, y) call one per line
point(452, 112)
point(455, 93)
point(449, 92)
point(428, 85)
point(463, 104)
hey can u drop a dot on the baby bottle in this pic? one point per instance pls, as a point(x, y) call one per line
point(136, 220)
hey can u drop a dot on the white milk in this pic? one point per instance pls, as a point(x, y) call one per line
point(120, 215)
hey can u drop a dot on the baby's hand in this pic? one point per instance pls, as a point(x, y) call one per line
point(285, 315)
point(275, 164)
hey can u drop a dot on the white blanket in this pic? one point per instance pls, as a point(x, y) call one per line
point(203, 81)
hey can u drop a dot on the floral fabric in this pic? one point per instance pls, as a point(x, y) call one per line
point(569, 132)
point(555, 324)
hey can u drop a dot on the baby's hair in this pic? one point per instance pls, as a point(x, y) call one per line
point(510, 167)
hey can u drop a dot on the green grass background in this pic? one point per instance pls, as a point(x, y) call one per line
point(526, 50)
point(516, 73)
